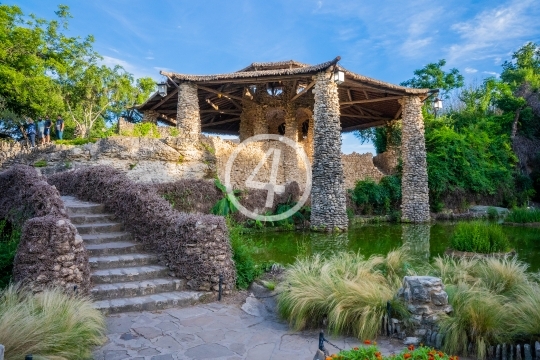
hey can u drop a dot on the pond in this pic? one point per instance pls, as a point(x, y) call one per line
point(425, 240)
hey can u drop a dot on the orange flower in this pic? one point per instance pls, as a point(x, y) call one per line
point(378, 353)
point(406, 355)
point(328, 358)
point(356, 348)
point(367, 342)
point(411, 347)
point(441, 354)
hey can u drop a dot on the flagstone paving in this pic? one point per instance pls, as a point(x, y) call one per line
point(216, 331)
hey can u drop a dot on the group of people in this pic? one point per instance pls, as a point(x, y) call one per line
point(42, 129)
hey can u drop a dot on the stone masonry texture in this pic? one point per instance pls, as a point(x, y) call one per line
point(328, 205)
point(188, 118)
point(414, 182)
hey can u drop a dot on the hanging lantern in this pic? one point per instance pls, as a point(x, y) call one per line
point(339, 77)
point(437, 104)
point(162, 89)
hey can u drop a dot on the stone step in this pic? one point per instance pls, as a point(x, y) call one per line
point(84, 208)
point(106, 237)
point(99, 228)
point(113, 248)
point(128, 274)
point(91, 218)
point(118, 261)
point(151, 302)
point(136, 288)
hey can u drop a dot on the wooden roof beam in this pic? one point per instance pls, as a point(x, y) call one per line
point(220, 122)
point(225, 95)
point(167, 97)
point(388, 98)
point(231, 112)
point(310, 85)
point(364, 126)
point(365, 117)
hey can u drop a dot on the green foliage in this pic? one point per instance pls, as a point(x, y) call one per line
point(40, 163)
point(243, 249)
point(381, 137)
point(224, 206)
point(479, 237)
point(492, 213)
point(208, 147)
point(78, 141)
point(523, 215)
point(378, 198)
point(373, 353)
point(174, 131)
point(432, 76)
point(49, 325)
point(10, 235)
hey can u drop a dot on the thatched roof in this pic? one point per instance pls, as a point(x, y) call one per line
point(365, 102)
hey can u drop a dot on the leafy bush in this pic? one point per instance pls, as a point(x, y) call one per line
point(492, 213)
point(523, 215)
point(144, 129)
point(378, 198)
point(224, 206)
point(479, 237)
point(10, 235)
point(243, 249)
point(49, 325)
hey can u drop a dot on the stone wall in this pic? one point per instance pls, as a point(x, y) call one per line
point(387, 161)
point(414, 181)
point(359, 167)
point(328, 204)
point(50, 252)
point(168, 159)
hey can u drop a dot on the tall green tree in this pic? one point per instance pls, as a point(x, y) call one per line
point(432, 76)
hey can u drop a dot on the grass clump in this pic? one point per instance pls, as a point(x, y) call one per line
point(40, 163)
point(350, 291)
point(479, 237)
point(523, 215)
point(49, 325)
point(77, 141)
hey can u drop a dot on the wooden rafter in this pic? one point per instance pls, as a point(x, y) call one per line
point(398, 114)
point(310, 85)
point(220, 122)
point(167, 97)
point(225, 95)
point(366, 117)
point(388, 98)
point(231, 112)
point(364, 126)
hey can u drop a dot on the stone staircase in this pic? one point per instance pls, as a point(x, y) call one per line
point(125, 277)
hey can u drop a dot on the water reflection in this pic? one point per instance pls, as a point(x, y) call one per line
point(329, 243)
point(416, 238)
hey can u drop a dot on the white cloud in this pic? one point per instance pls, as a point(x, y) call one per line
point(496, 30)
point(470, 70)
point(492, 73)
point(136, 71)
point(149, 58)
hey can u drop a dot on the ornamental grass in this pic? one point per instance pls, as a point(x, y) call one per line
point(479, 237)
point(49, 325)
point(348, 289)
point(523, 215)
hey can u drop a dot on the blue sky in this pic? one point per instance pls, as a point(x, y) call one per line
point(385, 39)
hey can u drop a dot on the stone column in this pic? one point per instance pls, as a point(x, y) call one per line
point(328, 205)
point(188, 118)
point(414, 181)
point(252, 120)
point(150, 116)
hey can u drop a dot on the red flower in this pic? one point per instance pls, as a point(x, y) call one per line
point(356, 348)
point(406, 355)
point(411, 347)
point(367, 342)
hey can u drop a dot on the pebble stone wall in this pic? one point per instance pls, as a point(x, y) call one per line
point(188, 117)
point(414, 182)
point(328, 204)
point(150, 116)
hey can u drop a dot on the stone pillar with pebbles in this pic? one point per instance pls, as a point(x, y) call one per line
point(150, 116)
point(188, 118)
point(328, 205)
point(414, 181)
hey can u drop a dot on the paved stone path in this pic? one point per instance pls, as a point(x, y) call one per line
point(215, 331)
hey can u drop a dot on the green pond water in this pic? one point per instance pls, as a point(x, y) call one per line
point(425, 240)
